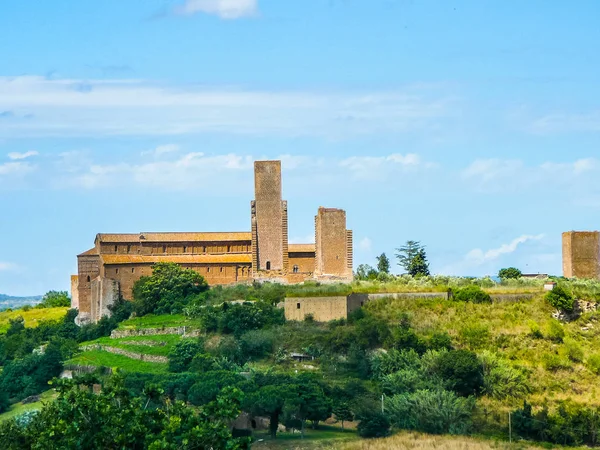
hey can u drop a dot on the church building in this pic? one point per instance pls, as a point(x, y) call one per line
point(117, 261)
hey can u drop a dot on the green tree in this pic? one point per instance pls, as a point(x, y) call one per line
point(373, 424)
point(167, 290)
point(413, 259)
point(509, 273)
point(383, 263)
point(366, 272)
point(462, 372)
point(181, 356)
point(270, 401)
point(343, 413)
point(560, 298)
point(55, 299)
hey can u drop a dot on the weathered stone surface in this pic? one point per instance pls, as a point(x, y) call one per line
point(581, 254)
point(184, 331)
point(127, 353)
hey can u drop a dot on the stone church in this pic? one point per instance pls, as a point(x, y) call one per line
point(117, 261)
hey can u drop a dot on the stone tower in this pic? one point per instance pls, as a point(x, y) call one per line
point(581, 254)
point(269, 220)
point(333, 244)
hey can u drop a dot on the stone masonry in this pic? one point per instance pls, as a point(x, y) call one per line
point(118, 260)
point(581, 254)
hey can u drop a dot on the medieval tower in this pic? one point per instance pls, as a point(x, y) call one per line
point(581, 254)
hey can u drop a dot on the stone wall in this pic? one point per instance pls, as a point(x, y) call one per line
point(323, 309)
point(127, 353)
point(105, 292)
point(75, 291)
point(581, 254)
point(184, 331)
point(333, 244)
point(409, 295)
point(268, 216)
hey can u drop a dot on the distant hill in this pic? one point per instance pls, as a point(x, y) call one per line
point(7, 301)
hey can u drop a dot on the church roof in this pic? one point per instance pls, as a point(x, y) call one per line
point(92, 251)
point(179, 259)
point(301, 248)
point(174, 237)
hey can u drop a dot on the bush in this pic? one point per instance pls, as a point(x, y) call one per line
point(181, 356)
point(593, 363)
point(556, 332)
point(440, 340)
point(373, 425)
point(55, 299)
point(462, 372)
point(574, 351)
point(559, 298)
point(432, 411)
point(167, 290)
point(472, 294)
point(237, 319)
point(500, 379)
point(553, 362)
point(475, 335)
point(509, 273)
point(257, 343)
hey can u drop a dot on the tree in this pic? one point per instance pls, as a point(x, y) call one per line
point(167, 290)
point(343, 413)
point(413, 259)
point(373, 424)
point(55, 299)
point(270, 401)
point(509, 273)
point(182, 354)
point(366, 272)
point(383, 263)
point(462, 371)
point(560, 299)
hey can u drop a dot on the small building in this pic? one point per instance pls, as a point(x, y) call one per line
point(323, 309)
point(549, 286)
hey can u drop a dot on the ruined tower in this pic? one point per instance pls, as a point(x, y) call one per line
point(333, 245)
point(581, 254)
point(269, 219)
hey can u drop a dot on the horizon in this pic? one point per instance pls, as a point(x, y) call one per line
point(474, 129)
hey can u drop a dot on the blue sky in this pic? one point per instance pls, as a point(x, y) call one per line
point(471, 126)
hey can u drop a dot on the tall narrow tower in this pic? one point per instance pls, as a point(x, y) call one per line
point(269, 219)
point(581, 254)
point(333, 245)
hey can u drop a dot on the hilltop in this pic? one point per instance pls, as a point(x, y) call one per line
point(8, 301)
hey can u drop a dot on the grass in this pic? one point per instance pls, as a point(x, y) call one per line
point(32, 316)
point(19, 408)
point(160, 321)
point(101, 358)
point(326, 437)
point(129, 343)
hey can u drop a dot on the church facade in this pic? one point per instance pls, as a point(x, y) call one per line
point(117, 261)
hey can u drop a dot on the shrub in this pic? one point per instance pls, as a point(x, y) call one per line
point(573, 350)
point(386, 363)
point(472, 294)
point(432, 411)
point(55, 299)
point(593, 363)
point(462, 372)
point(509, 273)
point(500, 379)
point(534, 330)
point(440, 340)
point(553, 362)
point(407, 380)
point(559, 298)
point(373, 425)
point(167, 290)
point(556, 332)
point(257, 343)
point(181, 356)
point(475, 335)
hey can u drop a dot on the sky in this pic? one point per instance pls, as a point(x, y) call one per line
point(470, 126)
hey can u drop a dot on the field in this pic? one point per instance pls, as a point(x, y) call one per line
point(161, 321)
point(159, 345)
point(32, 316)
point(19, 408)
point(105, 359)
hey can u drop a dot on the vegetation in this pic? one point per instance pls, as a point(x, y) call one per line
point(413, 259)
point(31, 318)
point(55, 299)
point(561, 299)
point(510, 273)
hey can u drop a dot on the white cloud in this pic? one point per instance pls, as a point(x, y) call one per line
point(161, 150)
point(577, 167)
point(16, 168)
point(491, 169)
point(478, 260)
point(61, 107)
point(225, 9)
point(365, 244)
point(17, 155)
point(6, 266)
point(379, 166)
point(566, 123)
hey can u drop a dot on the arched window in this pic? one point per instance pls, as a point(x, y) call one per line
point(207, 269)
point(296, 269)
point(221, 269)
point(133, 270)
point(88, 278)
point(268, 265)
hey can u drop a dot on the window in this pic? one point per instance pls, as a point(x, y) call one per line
point(221, 269)
point(88, 278)
point(207, 269)
point(204, 249)
point(296, 269)
point(116, 270)
point(133, 270)
point(116, 248)
point(164, 249)
point(297, 305)
point(268, 265)
point(185, 249)
point(228, 248)
point(129, 249)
